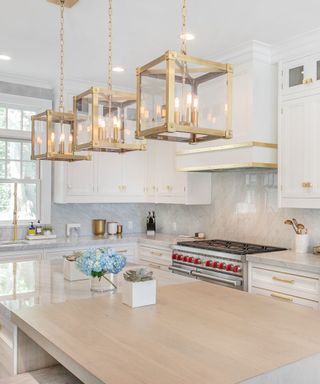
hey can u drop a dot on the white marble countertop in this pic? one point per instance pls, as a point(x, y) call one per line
point(307, 262)
point(160, 239)
point(42, 282)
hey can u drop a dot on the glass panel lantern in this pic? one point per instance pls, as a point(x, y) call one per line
point(101, 128)
point(53, 137)
point(185, 99)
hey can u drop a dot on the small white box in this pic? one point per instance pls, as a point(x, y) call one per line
point(71, 272)
point(140, 293)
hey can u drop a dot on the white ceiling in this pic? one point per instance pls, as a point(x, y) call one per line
point(143, 29)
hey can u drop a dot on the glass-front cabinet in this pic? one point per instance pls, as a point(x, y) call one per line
point(300, 75)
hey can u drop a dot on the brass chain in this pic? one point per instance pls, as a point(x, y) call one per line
point(110, 45)
point(61, 103)
point(183, 29)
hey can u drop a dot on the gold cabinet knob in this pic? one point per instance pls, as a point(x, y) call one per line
point(307, 81)
point(306, 184)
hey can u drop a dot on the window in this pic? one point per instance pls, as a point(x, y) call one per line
point(32, 178)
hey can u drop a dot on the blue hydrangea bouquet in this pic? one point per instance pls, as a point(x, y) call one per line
point(99, 262)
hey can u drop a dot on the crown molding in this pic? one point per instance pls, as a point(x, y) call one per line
point(304, 44)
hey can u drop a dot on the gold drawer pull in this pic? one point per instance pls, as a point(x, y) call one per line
point(306, 184)
point(283, 280)
point(156, 253)
point(154, 266)
point(308, 81)
point(122, 251)
point(282, 297)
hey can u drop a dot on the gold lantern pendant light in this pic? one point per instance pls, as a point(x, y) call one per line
point(105, 118)
point(184, 98)
point(52, 131)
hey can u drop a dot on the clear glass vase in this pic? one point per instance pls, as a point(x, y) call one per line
point(106, 283)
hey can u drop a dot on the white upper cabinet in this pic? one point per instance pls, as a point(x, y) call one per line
point(300, 76)
point(299, 134)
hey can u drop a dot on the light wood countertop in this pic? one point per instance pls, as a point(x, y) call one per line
point(196, 333)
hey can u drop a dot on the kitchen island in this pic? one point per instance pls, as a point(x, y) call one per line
point(196, 333)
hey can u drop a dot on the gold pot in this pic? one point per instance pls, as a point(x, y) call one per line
point(99, 227)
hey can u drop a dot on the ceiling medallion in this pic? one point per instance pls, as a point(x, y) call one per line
point(184, 98)
point(53, 131)
point(106, 118)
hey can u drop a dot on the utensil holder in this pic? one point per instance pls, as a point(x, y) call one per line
point(302, 243)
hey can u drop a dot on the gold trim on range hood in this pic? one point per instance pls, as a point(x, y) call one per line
point(228, 166)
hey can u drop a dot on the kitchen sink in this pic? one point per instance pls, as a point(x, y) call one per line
point(12, 242)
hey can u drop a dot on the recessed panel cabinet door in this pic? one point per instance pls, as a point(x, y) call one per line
point(314, 146)
point(80, 178)
point(134, 173)
point(295, 148)
point(109, 174)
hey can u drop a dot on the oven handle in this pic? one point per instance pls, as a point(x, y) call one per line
point(179, 270)
point(235, 283)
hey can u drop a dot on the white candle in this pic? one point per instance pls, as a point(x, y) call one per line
point(39, 142)
point(62, 138)
point(177, 110)
point(189, 103)
point(70, 143)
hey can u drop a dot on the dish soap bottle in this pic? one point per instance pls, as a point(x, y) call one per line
point(38, 228)
point(31, 230)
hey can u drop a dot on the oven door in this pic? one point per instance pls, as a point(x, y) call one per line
point(218, 278)
point(183, 270)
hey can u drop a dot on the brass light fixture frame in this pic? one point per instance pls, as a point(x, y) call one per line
point(170, 75)
point(119, 99)
point(107, 138)
point(50, 117)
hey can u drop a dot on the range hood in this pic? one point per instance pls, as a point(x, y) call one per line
point(254, 141)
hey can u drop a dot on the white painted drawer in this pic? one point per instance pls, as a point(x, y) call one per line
point(290, 283)
point(279, 296)
point(156, 256)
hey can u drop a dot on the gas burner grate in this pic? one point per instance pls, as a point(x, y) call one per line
point(235, 247)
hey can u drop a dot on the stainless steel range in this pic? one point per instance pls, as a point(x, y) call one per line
point(216, 261)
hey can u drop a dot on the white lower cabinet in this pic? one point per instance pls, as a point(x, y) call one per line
point(283, 284)
point(155, 257)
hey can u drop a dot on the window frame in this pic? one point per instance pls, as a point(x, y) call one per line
point(44, 168)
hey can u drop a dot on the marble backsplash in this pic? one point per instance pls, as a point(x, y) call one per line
point(244, 207)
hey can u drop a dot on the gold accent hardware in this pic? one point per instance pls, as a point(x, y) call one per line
point(105, 113)
point(15, 213)
point(53, 132)
point(275, 295)
point(67, 3)
point(99, 227)
point(122, 251)
point(154, 266)
point(228, 166)
point(156, 253)
point(283, 280)
point(177, 120)
point(306, 184)
point(248, 144)
point(307, 81)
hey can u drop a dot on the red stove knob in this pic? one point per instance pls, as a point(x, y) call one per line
point(236, 268)
point(174, 256)
point(229, 267)
point(190, 259)
point(197, 261)
point(208, 263)
point(222, 266)
point(185, 258)
point(179, 257)
point(215, 264)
